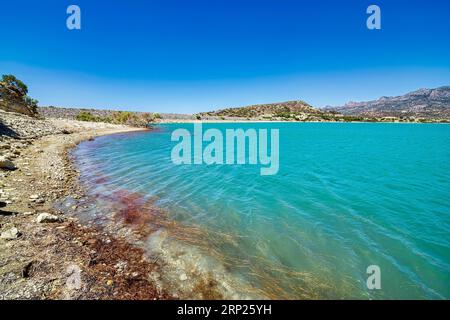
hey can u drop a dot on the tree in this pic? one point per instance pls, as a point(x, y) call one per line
point(15, 83)
point(32, 103)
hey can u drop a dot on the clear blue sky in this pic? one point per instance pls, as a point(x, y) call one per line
point(188, 56)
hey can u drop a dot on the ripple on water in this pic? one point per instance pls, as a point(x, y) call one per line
point(347, 196)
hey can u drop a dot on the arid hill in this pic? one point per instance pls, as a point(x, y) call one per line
point(295, 110)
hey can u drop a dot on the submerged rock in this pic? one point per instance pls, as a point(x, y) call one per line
point(183, 277)
point(47, 218)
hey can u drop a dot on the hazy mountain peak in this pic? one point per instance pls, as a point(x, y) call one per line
point(421, 103)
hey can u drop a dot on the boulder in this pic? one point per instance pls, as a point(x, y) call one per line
point(5, 163)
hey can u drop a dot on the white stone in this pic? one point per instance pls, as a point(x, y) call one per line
point(183, 277)
point(47, 217)
point(10, 234)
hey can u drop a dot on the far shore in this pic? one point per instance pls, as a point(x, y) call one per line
point(170, 121)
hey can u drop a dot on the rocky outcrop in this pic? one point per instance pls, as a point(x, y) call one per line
point(16, 106)
point(12, 100)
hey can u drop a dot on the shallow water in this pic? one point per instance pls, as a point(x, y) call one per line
point(346, 196)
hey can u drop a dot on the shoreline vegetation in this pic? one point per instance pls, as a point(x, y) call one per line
point(39, 245)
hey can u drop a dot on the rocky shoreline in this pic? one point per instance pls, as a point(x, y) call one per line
point(43, 253)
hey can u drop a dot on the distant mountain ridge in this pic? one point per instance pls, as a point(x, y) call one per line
point(422, 103)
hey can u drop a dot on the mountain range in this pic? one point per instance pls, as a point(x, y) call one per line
point(422, 103)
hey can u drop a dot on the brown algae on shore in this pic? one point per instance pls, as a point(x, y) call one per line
point(191, 261)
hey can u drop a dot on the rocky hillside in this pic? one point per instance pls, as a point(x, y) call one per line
point(294, 110)
point(109, 116)
point(423, 103)
point(18, 126)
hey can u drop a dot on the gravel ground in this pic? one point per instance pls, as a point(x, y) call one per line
point(58, 257)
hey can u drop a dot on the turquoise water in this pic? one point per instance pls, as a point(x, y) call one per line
point(346, 196)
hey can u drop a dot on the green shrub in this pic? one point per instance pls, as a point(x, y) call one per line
point(32, 103)
point(286, 115)
point(12, 81)
point(86, 116)
point(352, 118)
